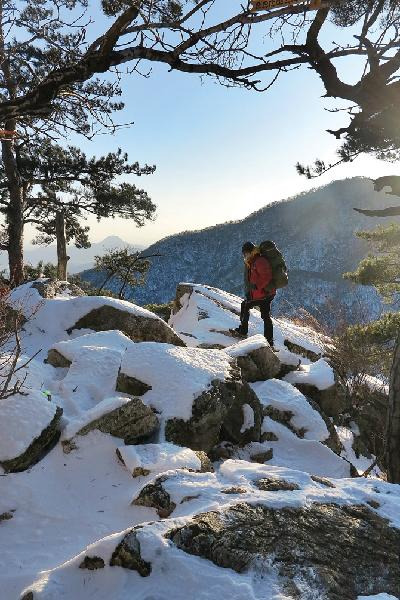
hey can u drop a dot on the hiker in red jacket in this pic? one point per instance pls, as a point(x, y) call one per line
point(258, 279)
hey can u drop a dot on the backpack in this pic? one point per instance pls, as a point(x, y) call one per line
point(279, 269)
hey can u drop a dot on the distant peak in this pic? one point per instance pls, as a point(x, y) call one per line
point(112, 239)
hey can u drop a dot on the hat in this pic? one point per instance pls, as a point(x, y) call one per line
point(248, 247)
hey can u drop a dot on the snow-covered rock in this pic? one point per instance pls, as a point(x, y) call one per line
point(283, 397)
point(318, 374)
point(197, 392)
point(63, 314)
point(156, 458)
point(256, 359)
point(29, 425)
point(122, 417)
point(297, 545)
point(203, 315)
point(79, 514)
point(50, 288)
point(272, 543)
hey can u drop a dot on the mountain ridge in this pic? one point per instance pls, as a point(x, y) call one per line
point(315, 231)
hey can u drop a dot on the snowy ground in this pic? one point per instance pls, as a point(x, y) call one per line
point(70, 505)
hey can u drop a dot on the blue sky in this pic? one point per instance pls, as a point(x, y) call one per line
point(223, 153)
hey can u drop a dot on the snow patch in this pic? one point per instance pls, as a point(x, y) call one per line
point(244, 347)
point(319, 374)
point(248, 418)
point(284, 397)
point(158, 458)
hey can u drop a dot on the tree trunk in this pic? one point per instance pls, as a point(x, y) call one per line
point(15, 211)
point(62, 257)
point(107, 279)
point(392, 444)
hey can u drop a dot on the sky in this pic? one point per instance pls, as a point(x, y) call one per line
point(222, 153)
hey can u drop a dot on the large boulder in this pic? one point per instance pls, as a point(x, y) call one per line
point(321, 550)
point(199, 394)
point(128, 419)
point(256, 359)
point(29, 428)
point(139, 326)
point(228, 411)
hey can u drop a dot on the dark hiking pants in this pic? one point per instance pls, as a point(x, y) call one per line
point(265, 308)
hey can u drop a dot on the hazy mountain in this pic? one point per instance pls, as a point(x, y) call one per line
point(315, 230)
point(80, 259)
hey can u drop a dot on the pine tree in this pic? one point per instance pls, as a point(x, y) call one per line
point(382, 270)
point(125, 267)
point(37, 37)
point(62, 186)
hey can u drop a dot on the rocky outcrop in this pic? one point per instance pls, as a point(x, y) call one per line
point(331, 401)
point(323, 481)
point(228, 411)
point(300, 350)
point(38, 448)
point(92, 563)
point(130, 385)
point(6, 516)
point(127, 555)
point(285, 418)
point(333, 442)
point(56, 359)
point(273, 484)
point(259, 364)
point(137, 327)
point(322, 550)
point(50, 288)
point(206, 464)
point(181, 290)
point(134, 422)
point(154, 495)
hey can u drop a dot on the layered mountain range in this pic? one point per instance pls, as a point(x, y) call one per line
point(314, 230)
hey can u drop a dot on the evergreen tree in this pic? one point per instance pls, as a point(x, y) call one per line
point(42, 269)
point(125, 267)
point(63, 185)
point(37, 37)
point(382, 268)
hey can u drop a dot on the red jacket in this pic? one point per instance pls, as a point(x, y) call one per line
point(260, 275)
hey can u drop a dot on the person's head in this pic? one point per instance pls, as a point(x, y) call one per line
point(247, 249)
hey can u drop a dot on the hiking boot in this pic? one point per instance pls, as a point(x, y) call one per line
point(238, 332)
